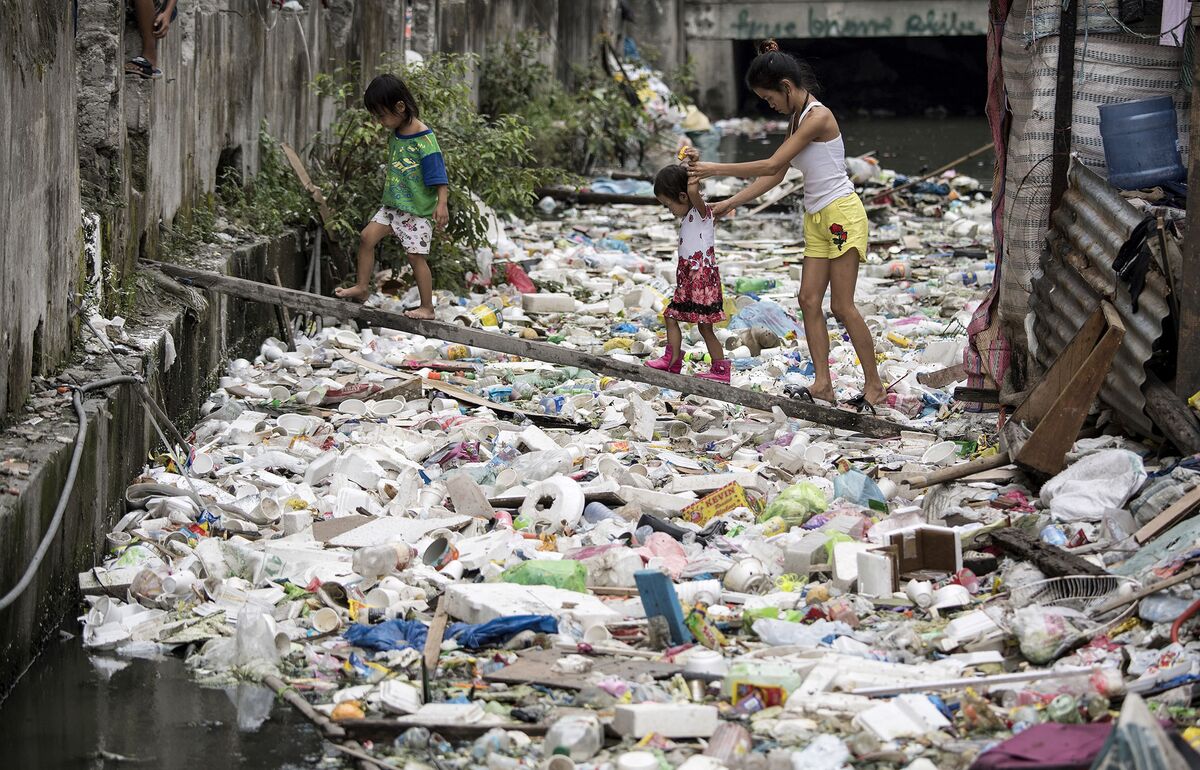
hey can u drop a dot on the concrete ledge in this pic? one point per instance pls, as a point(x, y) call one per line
point(35, 451)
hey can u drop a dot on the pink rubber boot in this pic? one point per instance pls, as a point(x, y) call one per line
point(668, 362)
point(718, 373)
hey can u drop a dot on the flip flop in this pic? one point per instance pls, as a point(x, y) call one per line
point(139, 66)
point(860, 404)
point(800, 393)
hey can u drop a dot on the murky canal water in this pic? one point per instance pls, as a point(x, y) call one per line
point(75, 710)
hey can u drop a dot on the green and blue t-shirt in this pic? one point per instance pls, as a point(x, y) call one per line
point(415, 168)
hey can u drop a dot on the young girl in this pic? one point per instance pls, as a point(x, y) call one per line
point(835, 222)
point(417, 188)
point(697, 282)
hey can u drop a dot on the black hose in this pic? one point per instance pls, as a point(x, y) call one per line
point(68, 486)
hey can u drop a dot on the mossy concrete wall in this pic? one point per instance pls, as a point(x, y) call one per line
point(35, 453)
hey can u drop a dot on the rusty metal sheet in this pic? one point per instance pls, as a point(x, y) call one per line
point(1089, 228)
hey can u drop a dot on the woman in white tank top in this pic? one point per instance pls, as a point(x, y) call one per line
point(835, 222)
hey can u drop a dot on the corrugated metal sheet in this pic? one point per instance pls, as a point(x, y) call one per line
point(1089, 228)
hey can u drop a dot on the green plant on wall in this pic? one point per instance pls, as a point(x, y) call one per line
point(592, 125)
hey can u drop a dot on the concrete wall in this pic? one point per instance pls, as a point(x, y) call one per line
point(40, 239)
point(118, 440)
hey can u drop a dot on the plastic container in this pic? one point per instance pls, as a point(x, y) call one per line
point(580, 734)
point(1141, 143)
point(747, 285)
point(771, 682)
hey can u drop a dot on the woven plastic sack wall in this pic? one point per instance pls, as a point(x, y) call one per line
point(1111, 66)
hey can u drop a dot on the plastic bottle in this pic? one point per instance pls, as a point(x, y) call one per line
point(580, 734)
point(539, 466)
point(747, 285)
point(967, 579)
point(594, 513)
point(1162, 608)
point(1053, 535)
point(1064, 709)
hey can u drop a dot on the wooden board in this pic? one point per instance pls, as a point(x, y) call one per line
point(388, 729)
point(1172, 515)
point(1052, 560)
point(540, 351)
point(536, 667)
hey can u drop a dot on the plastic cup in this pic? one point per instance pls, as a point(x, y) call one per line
point(325, 620)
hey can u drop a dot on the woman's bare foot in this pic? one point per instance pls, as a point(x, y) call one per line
point(875, 394)
point(420, 313)
point(353, 293)
point(823, 392)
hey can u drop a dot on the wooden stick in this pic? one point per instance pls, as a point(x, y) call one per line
point(956, 472)
point(285, 692)
point(539, 351)
point(1142, 593)
point(935, 172)
point(287, 316)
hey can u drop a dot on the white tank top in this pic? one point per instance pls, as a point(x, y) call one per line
point(824, 167)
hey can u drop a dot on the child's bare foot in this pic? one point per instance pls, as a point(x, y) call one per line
point(421, 313)
point(353, 293)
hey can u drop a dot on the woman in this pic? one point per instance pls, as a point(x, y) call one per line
point(835, 222)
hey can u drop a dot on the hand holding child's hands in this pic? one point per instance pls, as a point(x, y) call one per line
point(698, 171)
point(441, 215)
point(690, 154)
point(353, 293)
point(722, 209)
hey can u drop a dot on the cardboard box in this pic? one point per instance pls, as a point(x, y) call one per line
point(927, 549)
point(724, 500)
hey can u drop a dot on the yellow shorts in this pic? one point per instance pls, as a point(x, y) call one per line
point(836, 229)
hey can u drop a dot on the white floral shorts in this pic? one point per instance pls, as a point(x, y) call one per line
point(415, 233)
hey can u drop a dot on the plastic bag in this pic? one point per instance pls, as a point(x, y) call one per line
point(571, 575)
point(499, 631)
point(1043, 631)
point(797, 503)
point(392, 635)
point(858, 488)
point(1098, 482)
point(768, 315)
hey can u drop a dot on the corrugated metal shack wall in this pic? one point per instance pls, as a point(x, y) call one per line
point(1076, 272)
point(1111, 66)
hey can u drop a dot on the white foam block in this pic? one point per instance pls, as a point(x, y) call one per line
point(390, 529)
point(468, 496)
point(670, 720)
point(547, 302)
point(481, 602)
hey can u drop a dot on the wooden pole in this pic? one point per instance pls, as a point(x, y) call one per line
point(1064, 102)
point(538, 351)
point(940, 170)
point(1187, 362)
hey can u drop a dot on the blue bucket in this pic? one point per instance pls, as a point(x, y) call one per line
point(1141, 143)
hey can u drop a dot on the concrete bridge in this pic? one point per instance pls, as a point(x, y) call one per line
point(717, 34)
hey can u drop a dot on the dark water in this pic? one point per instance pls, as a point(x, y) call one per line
point(907, 145)
point(68, 712)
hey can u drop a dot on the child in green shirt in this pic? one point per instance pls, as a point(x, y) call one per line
point(417, 188)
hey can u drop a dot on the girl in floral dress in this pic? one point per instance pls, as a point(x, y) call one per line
point(697, 281)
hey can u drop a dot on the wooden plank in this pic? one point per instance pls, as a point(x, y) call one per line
point(540, 351)
point(331, 730)
point(387, 729)
point(961, 471)
point(943, 377)
point(1047, 448)
point(1142, 593)
point(1172, 415)
point(287, 315)
point(1171, 515)
point(437, 631)
point(536, 667)
point(1052, 560)
point(977, 395)
point(1057, 429)
point(307, 183)
point(1045, 393)
point(940, 170)
point(1187, 358)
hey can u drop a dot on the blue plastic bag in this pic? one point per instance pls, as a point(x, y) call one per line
point(399, 634)
point(858, 488)
point(391, 635)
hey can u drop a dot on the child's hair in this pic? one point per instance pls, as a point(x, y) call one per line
point(384, 92)
point(772, 66)
point(671, 181)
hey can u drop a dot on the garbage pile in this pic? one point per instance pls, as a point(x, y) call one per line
point(463, 559)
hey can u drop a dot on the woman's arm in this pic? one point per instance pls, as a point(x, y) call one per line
point(749, 193)
point(807, 132)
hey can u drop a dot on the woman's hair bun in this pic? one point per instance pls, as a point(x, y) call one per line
point(768, 45)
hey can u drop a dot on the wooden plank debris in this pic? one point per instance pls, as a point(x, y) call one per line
point(540, 351)
point(1052, 560)
point(1171, 515)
